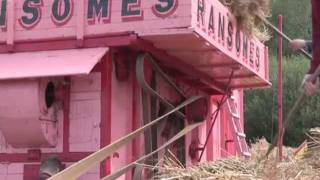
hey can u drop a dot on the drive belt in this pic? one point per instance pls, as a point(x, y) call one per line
point(148, 95)
point(123, 170)
point(144, 85)
point(79, 168)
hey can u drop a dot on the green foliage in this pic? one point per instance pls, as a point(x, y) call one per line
point(261, 110)
point(296, 20)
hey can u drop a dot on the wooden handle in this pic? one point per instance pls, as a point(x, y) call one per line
point(305, 53)
point(292, 111)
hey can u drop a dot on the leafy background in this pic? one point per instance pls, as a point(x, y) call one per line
point(261, 105)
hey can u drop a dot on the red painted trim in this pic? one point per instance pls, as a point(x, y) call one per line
point(235, 76)
point(25, 158)
point(241, 112)
point(135, 120)
point(103, 35)
point(280, 91)
point(111, 41)
point(105, 131)
point(66, 119)
point(195, 138)
point(252, 85)
point(223, 138)
point(211, 66)
point(210, 139)
point(108, 108)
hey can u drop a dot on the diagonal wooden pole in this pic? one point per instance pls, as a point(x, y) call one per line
point(292, 111)
point(270, 25)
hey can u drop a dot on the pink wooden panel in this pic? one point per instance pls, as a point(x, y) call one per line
point(214, 146)
point(188, 140)
point(49, 63)
point(202, 133)
point(224, 31)
point(6, 148)
point(121, 122)
point(11, 171)
point(85, 113)
point(228, 146)
point(85, 131)
point(45, 28)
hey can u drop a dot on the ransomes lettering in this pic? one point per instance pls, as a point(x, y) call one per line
point(230, 35)
point(211, 21)
point(33, 13)
point(61, 11)
point(220, 24)
point(96, 11)
point(165, 8)
point(100, 9)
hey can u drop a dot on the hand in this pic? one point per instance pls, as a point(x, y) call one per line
point(310, 88)
point(297, 44)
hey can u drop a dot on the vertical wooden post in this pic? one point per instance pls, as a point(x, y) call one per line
point(66, 116)
point(280, 89)
point(106, 95)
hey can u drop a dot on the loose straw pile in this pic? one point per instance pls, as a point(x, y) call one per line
point(248, 14)
point(233, 168)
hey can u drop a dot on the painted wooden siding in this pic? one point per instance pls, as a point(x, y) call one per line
point(84, 127)
point(46, 29)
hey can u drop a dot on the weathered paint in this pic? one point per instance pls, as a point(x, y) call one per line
point(84, 126)
point(50, 63)
point(218, 26)
point(40, 19)
point(192, 29)
point(102, 108)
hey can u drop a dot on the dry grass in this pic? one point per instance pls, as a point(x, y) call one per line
point(248, 14)
point(254, 169)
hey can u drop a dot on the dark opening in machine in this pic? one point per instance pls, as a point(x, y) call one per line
point(50, 98)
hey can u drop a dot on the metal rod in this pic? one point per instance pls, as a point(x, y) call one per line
point(305, 53)
point(292, 111)
point(280, 90)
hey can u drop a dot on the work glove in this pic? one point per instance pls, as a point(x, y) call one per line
point(308, 87)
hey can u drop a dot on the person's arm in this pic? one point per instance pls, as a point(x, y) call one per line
point(297, 44)
point(310, 88)
point(315, 36)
